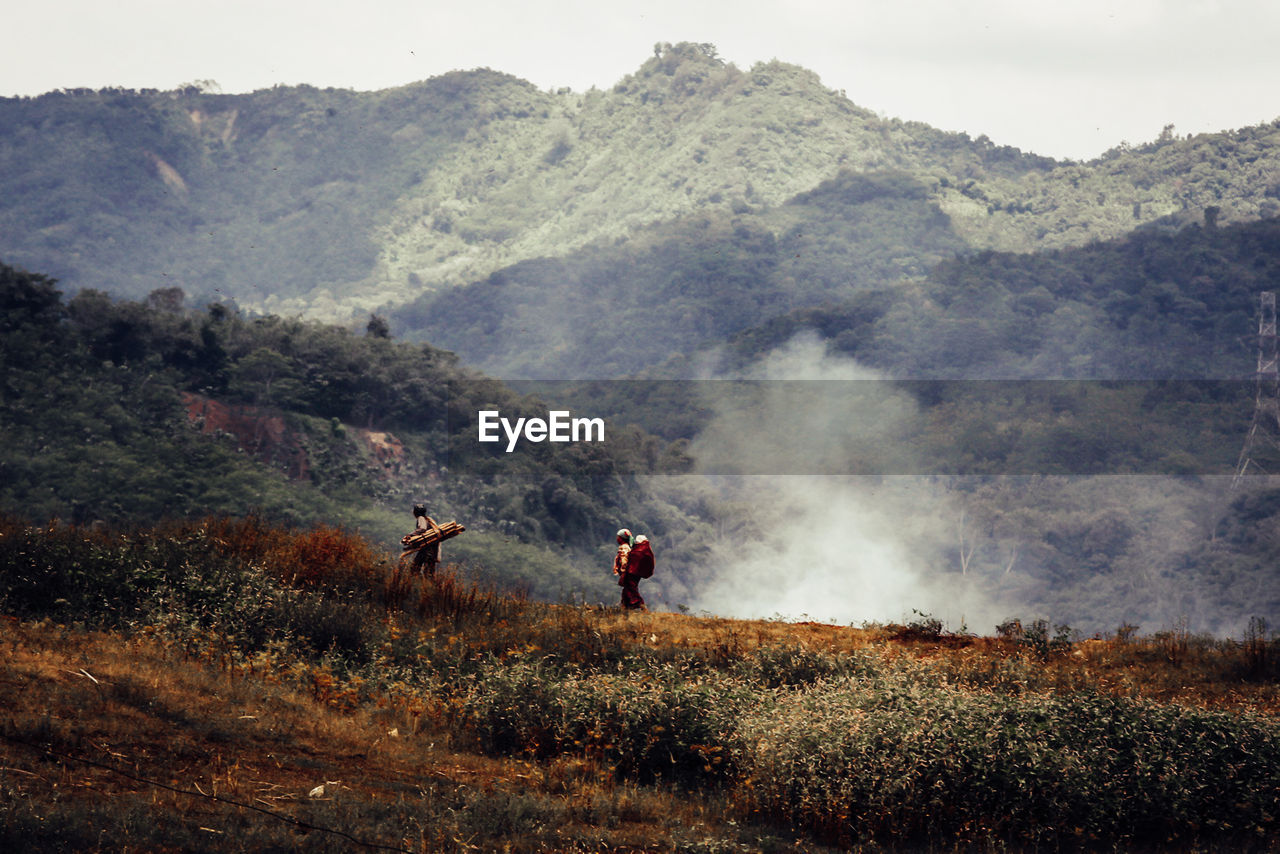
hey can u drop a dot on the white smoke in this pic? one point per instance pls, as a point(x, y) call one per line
point(803, 531)
point(802, 544)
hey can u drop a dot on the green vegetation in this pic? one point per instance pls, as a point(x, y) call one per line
point(96, 428)
point(181, 483)
point(332, 203)
point(1156, 305)
point(1159, 304)
point(611, 311)
point(274, 194)
point(207, 642)
point(631, 232)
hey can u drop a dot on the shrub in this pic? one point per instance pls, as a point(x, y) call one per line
point(856, 761)
point(328, 558)
point(662, 723)
point(785, 665)
point(229, 578)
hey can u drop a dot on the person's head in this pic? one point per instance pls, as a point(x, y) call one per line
point(624, 536)
point(419, 510)
point(641, 538)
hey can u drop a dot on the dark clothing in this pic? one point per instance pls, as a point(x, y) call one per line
point(427, 557)
point(631, 598)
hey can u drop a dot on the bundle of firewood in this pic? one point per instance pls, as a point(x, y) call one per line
point(426, 537)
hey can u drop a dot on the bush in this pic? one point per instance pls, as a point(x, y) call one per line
point(786, 665)
point(856, 761)
point(665, 723)
point(242, 580)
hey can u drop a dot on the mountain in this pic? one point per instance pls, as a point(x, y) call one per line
point(1159, 303)
point(613, 310)
point(117, 412)
point(332, 203)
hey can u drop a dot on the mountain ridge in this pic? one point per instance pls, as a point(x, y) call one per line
point(332, 204)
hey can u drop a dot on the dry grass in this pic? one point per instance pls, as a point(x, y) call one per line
point(1166, 667)
point(100, 730)
point(443, 716)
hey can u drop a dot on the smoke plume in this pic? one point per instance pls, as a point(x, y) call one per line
point(795, 543)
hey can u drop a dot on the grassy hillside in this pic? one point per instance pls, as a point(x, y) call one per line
point(218, 680)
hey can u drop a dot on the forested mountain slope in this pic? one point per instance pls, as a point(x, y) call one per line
point(127, 412)
point(1161, 303)
point(332, 203)
point(131, 412)
point(611, 311)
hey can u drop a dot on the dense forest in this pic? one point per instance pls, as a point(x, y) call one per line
point(696, 279)
point(1164, 302)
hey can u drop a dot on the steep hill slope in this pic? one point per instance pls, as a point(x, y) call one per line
point(122, 412)
point(1161, 303)
point(247, 197)
point(686, 133)
point(611, 311)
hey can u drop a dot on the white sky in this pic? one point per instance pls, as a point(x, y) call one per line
point(1068, 78)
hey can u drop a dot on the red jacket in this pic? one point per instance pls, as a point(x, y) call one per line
point(640, 561)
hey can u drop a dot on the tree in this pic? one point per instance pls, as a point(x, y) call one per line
point(266, 377)
point(167, 299)
point(30, 314)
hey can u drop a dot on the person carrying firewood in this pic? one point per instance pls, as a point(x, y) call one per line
point(427, 557)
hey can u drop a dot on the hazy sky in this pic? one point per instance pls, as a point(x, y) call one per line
point(1068, 78)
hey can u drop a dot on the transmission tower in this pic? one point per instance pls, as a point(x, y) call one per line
point(1263, 437)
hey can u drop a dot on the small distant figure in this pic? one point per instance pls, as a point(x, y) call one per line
point(422, 545)
point(427, 557)
point(633, 561)
point(624, 550)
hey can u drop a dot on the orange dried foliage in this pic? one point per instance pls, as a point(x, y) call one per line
point(326, 556)
point(321, 556)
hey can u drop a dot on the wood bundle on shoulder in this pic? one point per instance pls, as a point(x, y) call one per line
point(426, 537)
